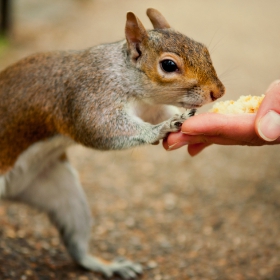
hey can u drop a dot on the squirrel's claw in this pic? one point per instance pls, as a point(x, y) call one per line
point(188, 114)
point(179, 119)
point(192, 112)
point(125, 269)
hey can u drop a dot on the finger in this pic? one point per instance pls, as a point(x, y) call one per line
point(267, 124)
point(237, 132)
point(195, 149)
point(209, 139)
point(165, 144)
point(229, 126)
point(173, 139)
point(271, 100)
point(219, 124)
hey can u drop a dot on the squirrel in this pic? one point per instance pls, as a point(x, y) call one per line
point(108, 97)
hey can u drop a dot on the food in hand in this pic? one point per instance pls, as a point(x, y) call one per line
point(245, 104)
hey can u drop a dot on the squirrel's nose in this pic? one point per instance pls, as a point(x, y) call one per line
point(217, 92)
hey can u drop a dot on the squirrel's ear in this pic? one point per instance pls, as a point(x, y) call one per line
point(157, 19)
point(135, 33)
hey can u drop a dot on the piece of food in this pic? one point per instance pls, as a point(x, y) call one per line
point(245, 104)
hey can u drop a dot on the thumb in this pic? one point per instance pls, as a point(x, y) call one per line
point(268, 117)
point(269, 126)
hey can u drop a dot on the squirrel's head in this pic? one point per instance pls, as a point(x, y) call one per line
point(179, 68)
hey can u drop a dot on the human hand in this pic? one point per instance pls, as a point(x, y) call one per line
point(258, 129)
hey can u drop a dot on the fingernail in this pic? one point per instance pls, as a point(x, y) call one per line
point(269, 126)
point(176, 145)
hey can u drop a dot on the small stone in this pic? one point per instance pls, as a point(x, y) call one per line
point(28, 272)
point(21, 234)
point(165, 245)
point(222, 262)
point(121, 251)
point(152, 264)
point(83, 278)
point(207, 230)
point(45, 245)
point(170, 201)
point(25, 251)
point(55, 241)
point(10, 233)
point(130, 222)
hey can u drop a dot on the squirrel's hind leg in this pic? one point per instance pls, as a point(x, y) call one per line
point(124, 268)
point(57, 191)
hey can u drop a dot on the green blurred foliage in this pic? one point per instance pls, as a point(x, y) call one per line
point(4, 44)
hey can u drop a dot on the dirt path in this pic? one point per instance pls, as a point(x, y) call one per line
point(215, 216)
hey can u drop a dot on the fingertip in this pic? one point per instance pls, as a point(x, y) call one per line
point(176, 137)
point(176, 146)
point(275, 83)
point(195, 149)
point(173, 141)
point(165, 144)
point(200, 124)
point(271, 102)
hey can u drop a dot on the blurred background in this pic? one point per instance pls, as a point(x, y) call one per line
point(214, 216)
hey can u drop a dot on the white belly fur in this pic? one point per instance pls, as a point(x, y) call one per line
point(31, 162)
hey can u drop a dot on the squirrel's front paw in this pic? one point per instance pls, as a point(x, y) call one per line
point(172, 125)
point(177, 120)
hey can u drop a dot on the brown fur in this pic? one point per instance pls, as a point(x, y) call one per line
point(112, 96)
point(83, 94)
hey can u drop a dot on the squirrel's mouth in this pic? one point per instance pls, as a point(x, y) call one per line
point(189, 105)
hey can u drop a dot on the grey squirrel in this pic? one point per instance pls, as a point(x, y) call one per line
point(111, 96)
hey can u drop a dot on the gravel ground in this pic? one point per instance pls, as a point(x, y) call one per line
point(215, 216)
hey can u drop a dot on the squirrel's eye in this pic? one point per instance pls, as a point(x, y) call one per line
point(169, 65)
